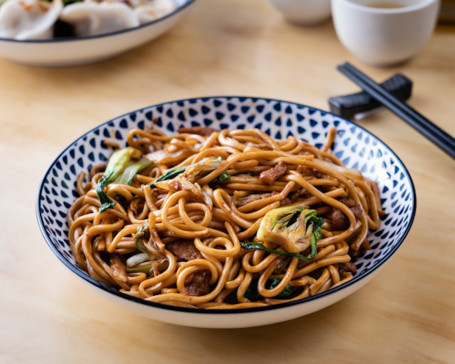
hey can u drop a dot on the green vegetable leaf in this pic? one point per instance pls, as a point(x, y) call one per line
point(252, 292)
point(140, 232)
point(222, 177)
point(171, 173)
point(131, 170)
point(141, 269)
point(289, 219)
point(285, 293)
point(106, 202)
point(253, 295)
point(259, 246)
point(117, 163)
point(161, 266)
point(209, 165)
point(317, 222)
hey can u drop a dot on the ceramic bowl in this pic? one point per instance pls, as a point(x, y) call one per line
point(303, 12)
point(73, 51)
point(354, 146)
point(384, 36)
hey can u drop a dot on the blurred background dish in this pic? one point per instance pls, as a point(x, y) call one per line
point(354, 146)
point(87, 35)
point(384, 33)
point(303, 12)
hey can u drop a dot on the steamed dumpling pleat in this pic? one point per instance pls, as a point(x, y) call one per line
point(90, 18)
point(154, 9)
point(28, 19)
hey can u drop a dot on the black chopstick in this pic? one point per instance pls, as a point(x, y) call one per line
point(417, 120)
point(424, 126)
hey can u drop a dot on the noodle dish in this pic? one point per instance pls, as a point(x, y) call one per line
point(208, 208)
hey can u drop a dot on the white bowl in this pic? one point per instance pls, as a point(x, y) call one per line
point(82, 50)
point(303, 12)
point(384, 36)
point(354, 146)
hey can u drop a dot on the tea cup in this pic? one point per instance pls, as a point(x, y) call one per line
point(384, 33)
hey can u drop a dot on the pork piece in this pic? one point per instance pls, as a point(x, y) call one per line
point(269, 176)
point(198, 285)
point(347, 267)
point(184, 250)
point(339, 220)
point(199, 130)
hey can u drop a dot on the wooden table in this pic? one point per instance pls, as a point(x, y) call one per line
point(405, 315)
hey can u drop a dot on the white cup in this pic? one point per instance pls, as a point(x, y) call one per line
point(384, 36)
point(303, 12)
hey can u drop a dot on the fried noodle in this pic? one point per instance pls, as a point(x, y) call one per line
point(193, 240)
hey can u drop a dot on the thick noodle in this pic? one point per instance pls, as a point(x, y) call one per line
point(182, 241)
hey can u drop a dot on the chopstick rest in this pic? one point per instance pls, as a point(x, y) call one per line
point(348, 106)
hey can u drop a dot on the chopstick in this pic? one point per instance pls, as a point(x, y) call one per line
point(424, 126)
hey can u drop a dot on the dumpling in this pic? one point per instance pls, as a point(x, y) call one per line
point(90, 18)
point(28, 19)
point(154, 9)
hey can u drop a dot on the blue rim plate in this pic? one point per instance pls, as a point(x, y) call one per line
point(354, 146)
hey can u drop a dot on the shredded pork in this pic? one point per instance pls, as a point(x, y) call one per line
point(184, 250)
point(269, 176)
point(199, 284)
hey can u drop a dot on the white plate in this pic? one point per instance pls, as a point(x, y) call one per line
point(73, 51)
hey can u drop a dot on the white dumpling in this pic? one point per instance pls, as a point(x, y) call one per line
point(28, 19)
point(89, 18)
point(154, 9)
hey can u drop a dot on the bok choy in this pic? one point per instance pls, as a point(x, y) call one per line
point(295, 228)
point(191, 171)
point(121, 168)
point(131, 170)
point(170, 174)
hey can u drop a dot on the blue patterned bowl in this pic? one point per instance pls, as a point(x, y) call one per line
point(355, 146)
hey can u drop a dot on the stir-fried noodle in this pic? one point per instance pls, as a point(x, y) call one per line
point(222, 219)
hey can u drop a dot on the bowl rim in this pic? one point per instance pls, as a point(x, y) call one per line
point(422, 4)
point(234, 311)
point(98, 36)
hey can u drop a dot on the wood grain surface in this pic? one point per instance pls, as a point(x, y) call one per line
point(236, 47)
